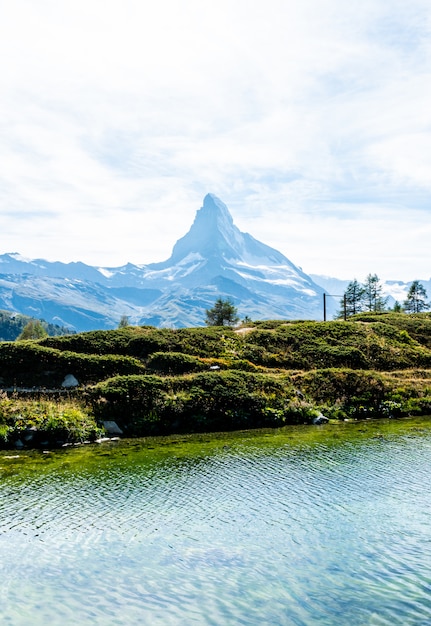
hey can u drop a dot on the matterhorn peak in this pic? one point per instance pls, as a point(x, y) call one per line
point(214, 208)
point(213, 235)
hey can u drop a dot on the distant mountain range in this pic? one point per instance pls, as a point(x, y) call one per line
point(214, 259)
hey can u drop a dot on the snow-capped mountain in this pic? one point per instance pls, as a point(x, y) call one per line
point(214, 259)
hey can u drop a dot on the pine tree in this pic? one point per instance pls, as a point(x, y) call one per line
point(352, 299)
point(223, 313)
point(372, 298)
point(416, 298)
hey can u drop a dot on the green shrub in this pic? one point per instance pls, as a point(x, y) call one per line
point(227, 400)
point(243, 365)
point(174, 363)
point(136, 403)
point(353, 391)
point(93, 342)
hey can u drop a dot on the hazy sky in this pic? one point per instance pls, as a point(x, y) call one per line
point(310, 119)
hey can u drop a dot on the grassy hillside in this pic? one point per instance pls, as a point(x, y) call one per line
point(157, 381)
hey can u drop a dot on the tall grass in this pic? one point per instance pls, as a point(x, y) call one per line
point(44, 420)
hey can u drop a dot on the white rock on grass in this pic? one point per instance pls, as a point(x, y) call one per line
point(70, 381)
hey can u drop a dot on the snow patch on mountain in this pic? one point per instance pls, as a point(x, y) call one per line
point(105, 272)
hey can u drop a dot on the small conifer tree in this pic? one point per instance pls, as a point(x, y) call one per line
point(223, 313)
point(124, 321)
point(373, 294)
point(416, 298)
point(352, 299)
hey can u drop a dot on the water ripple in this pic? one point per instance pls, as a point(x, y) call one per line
point(249, 535)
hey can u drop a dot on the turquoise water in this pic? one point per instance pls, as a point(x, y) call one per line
point(318, 525)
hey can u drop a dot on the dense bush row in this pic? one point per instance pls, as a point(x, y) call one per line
point(145, 405)
point(142, 341)
point(382, 342)
point(29, 364)
point(354, 344)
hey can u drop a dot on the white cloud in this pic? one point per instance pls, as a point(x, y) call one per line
point(309, 118)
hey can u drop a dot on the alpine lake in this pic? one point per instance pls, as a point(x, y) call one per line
point(326, 525)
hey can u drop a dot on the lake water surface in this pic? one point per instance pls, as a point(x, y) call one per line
point(308, 525)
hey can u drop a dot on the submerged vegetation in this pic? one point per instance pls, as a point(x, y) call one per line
point(266, 374)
